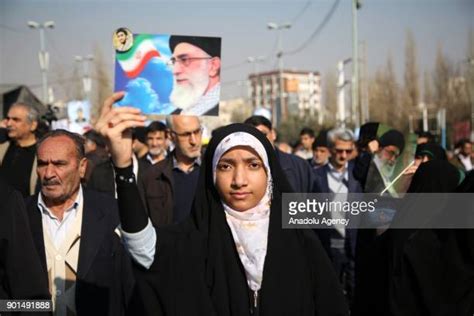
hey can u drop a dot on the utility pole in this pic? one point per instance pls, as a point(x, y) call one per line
point(364, 86)
point(341, 83)
point(356, 4)
point(43, 54)
point(86, 79)
point(441, 118)
point(424, 111)
point(278, 28)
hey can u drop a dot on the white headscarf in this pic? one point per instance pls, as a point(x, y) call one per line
point(249, 228)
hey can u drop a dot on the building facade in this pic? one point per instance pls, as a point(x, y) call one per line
point(301, 93)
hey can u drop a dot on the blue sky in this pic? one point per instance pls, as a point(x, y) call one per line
point(80, 25)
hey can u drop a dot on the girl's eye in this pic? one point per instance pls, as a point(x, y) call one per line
point(223, 166)
point(255, 165)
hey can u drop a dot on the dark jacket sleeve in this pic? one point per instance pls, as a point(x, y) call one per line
point(328, 295)
point(21, 273)
point(361, 167)
point(133, 217)
point(298, 172)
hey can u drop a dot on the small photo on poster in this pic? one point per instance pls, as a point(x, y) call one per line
point(170, 74)
point(79, 115)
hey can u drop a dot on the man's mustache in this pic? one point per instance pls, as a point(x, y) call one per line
point(50, 182)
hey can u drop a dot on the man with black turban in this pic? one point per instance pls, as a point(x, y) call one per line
point(380, 174)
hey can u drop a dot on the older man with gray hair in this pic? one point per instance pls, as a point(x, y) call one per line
point(336, 177)
point(168, 186)
point(17, 156)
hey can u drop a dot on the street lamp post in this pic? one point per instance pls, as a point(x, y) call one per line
point(279, 27)
point(86, 79)
point(43, 54)
point(355, 64)
point(256, 84)
point(341, 108)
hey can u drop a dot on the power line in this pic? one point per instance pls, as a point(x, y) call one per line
point(12, 29)
point(300, 14)
point(234, 65)
point(271, 56)
point(318, 29)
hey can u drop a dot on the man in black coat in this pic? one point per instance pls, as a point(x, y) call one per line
point(17, 155)
point(73, 229)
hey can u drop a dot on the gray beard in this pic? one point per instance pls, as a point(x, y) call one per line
point(186, 96)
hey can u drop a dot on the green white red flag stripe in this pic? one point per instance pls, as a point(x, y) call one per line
point(134, 60)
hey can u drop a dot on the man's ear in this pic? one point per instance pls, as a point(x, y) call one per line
point(34, 126)
point(215, 68)
point(82, 167)
point(273, 135)
point(172, 137)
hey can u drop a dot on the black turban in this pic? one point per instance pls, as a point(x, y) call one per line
point(394, 138)
point(211, 45)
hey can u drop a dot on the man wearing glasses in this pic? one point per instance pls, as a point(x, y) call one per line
point(196, 67)
point(336, 177)
point(168, 186)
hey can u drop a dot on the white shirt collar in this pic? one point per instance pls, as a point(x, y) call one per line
point(45, 210)
point(338, 174)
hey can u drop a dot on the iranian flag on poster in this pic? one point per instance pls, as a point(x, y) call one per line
point(134, 60)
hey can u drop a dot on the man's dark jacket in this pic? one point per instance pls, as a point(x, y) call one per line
point(21, 274)
point(321, 184)
point(105, 280)
point(297, 170)
point(156, 189)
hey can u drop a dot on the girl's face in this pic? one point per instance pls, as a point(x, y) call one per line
point(241, 179)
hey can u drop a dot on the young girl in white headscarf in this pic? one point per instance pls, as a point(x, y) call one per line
point(231, 257)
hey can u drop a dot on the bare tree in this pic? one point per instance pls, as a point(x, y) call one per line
point(75, 88)
point(442, 72)
point(427, 90)
point(469, 73)
point(384, 98)
point(411, 93)
point(450, 89)
point(376, 96)
point(103, 83)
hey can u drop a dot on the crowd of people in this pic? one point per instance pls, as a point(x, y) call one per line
point(143, 218)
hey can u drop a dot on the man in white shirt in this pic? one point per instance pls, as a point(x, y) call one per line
point(464, 160)
point(306, 140)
